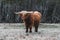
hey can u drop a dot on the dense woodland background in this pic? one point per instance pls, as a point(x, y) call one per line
point(50, 10)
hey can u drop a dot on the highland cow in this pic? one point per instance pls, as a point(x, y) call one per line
point(31, 18)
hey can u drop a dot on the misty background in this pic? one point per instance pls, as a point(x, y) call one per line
point(48, 8)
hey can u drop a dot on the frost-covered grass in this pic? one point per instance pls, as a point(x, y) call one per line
point(17, 32)
point(21, 25)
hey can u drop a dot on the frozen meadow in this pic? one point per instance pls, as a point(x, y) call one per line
point(16, 31)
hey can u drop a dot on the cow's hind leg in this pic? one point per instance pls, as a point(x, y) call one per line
point(36, 24)
point(36, 28)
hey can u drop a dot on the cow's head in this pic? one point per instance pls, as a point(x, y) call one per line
point(22, 13)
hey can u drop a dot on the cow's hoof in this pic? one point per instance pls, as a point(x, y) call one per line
point(30, 32)
point(26, 31)
point(36, 31)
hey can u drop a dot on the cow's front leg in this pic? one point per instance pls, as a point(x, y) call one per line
point(30, 30)
point(26, 29)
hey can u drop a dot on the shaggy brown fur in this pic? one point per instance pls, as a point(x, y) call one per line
point(31, 19)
